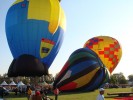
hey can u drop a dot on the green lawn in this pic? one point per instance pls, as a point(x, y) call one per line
point(74, 96)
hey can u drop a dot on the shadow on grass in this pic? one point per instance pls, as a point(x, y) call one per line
point(120, 98)
point(12, 95)
point(111, 96)
point(71, 93)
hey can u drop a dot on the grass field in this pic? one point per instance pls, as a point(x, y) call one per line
point(74, 96)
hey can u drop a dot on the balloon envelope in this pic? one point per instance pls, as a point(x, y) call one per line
point(108, 50)
point(83, 71)
point(34, 30)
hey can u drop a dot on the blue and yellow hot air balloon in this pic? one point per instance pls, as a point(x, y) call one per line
point(34, 30)
point(83, 71)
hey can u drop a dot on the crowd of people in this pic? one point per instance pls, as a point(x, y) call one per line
point(38, 94)
point(41, 93)
point(33, 92)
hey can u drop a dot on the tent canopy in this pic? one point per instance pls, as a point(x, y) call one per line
point(20, 83)
point(12, 83)
point(4, 83)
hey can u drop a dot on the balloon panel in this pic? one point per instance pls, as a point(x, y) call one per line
point(107, 48)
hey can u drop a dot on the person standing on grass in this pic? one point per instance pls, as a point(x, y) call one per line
point(101, 94)
point(29, 91)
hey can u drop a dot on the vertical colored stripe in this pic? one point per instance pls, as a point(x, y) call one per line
point(62, 23)
point(55, 16)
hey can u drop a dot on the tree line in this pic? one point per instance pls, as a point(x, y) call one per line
point(27, 80)
point(119, 78)
point(116, 78)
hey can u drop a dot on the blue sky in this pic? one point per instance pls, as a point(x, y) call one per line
point(85, 19)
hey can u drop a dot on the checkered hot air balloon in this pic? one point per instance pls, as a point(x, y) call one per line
point(108, 49)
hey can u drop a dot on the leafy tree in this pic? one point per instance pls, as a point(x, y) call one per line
point(122, 80)
point(5, 75)
point(49, 78)
point(26, 80)
point(130, 78)
point(118, 78)
point(113, 79)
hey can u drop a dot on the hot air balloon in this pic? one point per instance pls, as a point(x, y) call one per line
point(108, 49)
point(83, 71)
point(34, 30)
